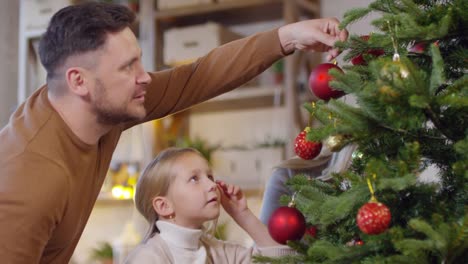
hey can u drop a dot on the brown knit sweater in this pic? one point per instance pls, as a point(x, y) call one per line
point(50, 179)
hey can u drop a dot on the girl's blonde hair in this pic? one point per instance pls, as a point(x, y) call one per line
point(155, 181)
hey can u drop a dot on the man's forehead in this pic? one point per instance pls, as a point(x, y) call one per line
point(124, 36)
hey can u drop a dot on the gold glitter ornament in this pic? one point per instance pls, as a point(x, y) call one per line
point(389, 91)
point(394, 70)
point(335, 142)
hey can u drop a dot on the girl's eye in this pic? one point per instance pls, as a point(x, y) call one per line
point(194, 178)
point(211, 177)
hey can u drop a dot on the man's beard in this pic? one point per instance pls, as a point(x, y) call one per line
point(107, 114)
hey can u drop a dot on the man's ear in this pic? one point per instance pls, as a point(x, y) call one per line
point(77, 81)
point(163, 206)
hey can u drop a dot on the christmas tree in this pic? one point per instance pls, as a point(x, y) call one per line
point(409, 78)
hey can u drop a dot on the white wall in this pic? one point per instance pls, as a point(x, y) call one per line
point(9, 24)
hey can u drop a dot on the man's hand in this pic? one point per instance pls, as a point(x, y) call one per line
point(315, 35)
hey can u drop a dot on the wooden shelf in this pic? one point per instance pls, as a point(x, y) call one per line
point(227, 13)
point(206, 9)
point(243, 98)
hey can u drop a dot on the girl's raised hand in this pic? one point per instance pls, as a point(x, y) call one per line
point(235, 204)
point(232, 199)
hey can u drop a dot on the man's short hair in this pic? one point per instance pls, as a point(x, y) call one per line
point(78, 29)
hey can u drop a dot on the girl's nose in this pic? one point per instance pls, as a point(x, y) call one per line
point(212, 186)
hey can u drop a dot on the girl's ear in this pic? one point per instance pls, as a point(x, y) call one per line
point(163, 206)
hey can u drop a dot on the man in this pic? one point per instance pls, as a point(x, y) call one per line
point(57, 147)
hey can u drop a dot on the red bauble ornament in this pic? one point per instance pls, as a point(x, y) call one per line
point(286, 223)
point(319, 82)
point(306, 149)
point(373, 218)
point(311, 231)
point(418, 48)
point(359, 59)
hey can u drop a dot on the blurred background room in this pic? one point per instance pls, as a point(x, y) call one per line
point(243, 133)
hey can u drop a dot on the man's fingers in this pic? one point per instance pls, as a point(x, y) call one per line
point(343, 35)
point(333, 53)
point(326, 39)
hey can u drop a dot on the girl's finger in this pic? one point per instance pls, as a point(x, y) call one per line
point(221, 183)
point(222, 188)
point(236, 190)
point(231, 189)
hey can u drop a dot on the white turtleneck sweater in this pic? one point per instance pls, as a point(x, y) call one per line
point(184, 243)
point(178, 245)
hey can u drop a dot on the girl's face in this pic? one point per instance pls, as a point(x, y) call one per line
point(193, 193)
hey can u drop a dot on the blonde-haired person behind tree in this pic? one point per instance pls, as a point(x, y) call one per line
point(177, 194)
point(320, 168)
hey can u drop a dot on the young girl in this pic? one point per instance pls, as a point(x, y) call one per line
point(177, 194)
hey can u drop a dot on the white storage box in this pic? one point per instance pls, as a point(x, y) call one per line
point(250, 169)
point(36, 14)
point(168, 4)
point(183, 45)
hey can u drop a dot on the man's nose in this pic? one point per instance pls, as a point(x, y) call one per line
point(143, 77)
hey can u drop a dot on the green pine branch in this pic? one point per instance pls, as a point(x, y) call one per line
point(411, 113)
